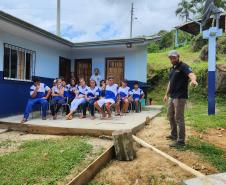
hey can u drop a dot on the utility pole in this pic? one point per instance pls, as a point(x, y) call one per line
point(131, 21)
point(58, 19)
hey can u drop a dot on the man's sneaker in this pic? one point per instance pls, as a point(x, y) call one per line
point(177, 144)
point(43, 118)
point(170, 137)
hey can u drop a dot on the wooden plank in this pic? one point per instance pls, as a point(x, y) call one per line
point(179, 163)
point(90, 172)
point(38, 129)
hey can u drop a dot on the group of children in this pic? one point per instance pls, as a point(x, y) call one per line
point(73, 96)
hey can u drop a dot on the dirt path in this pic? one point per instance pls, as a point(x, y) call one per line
point(149, 167)
point(155, 134)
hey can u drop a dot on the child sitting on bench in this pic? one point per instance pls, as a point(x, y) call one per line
point(136, 95)
point(37, 96)
point(123, 98)
point(79, 99)
point(92, 94)
point(109, 99)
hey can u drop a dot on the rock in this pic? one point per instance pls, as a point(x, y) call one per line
point(204, 53)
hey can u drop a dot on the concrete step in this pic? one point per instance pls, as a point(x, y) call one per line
point(152, 107)
point(3, 130)
point(216, 179)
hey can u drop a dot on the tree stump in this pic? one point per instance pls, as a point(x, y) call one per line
point(123, 143)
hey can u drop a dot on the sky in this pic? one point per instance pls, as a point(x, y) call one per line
point(93, 20)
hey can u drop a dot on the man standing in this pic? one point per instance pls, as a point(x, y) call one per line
point(176, 95)
point(96, 76)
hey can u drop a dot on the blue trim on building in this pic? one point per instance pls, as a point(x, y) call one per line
point(14, 95)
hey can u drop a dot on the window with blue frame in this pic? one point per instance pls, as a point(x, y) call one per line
point(19, 63)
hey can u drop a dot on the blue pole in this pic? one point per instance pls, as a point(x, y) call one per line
point(211, 74)
point(212, 35)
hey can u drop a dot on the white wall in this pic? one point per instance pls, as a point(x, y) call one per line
point(135, 60)
point(47, 59)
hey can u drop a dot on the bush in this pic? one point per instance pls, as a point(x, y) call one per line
point(166, 40)
point(197, 43)
point(221, 45)
point(153, 48)
point(204, 53)
point(201, 89)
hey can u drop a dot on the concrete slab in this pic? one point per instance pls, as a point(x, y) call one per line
point(131, 121)
point(3, 130)
point(216, 179)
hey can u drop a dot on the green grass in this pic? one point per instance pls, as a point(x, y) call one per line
point(43, 161)
point(6, 143)
point(210, 153)
point(158, 61)
point(196, 114)
point(161, 179)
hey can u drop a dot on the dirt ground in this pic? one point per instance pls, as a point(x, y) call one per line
point(216, 136)
point(149, 167)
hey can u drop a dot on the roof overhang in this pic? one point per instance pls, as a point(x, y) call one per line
point(11, 24)
point(25, 25)
point(193, 27)
point(119, 42)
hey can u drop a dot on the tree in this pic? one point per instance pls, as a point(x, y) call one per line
point(198, 6)
point(166, 39)
point(195, 7)
point(184, 8)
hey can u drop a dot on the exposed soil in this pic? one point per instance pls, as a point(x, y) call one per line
point(151, 168)
point(216, 136)
point(155, 134)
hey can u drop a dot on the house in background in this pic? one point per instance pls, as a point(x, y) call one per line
point(194, 28)
point(26, 51)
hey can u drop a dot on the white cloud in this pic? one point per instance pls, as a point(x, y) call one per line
point(86, 20)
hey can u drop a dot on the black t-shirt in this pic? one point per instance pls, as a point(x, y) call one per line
point(178, 78)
